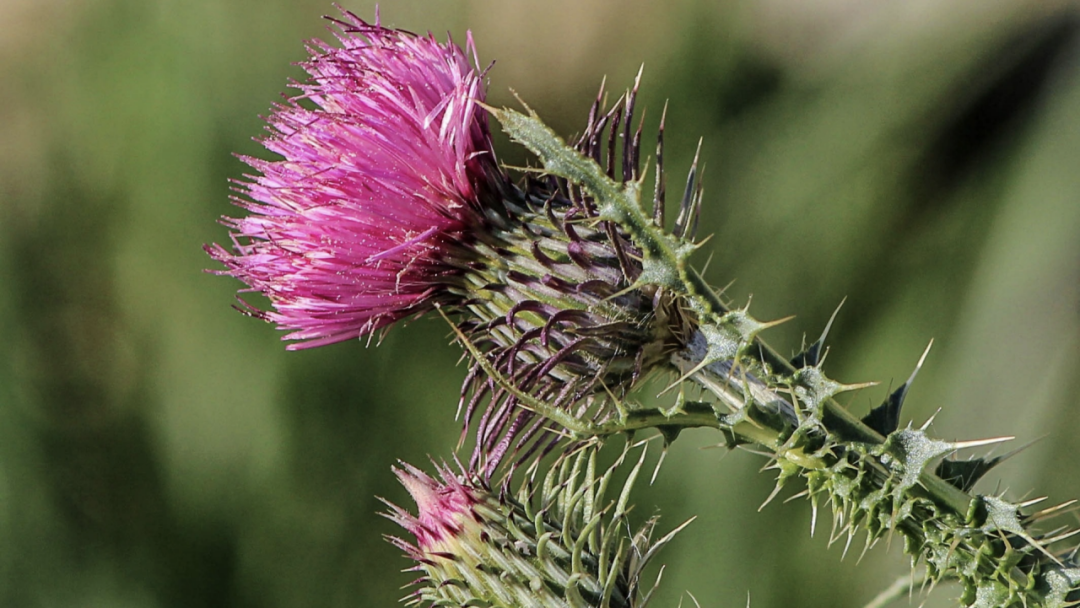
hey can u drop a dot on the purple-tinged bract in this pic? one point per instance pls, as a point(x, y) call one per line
point(386, 164)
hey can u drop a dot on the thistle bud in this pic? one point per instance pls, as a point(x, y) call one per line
point(557, 546)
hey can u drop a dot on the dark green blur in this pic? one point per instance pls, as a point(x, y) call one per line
point(157, 449)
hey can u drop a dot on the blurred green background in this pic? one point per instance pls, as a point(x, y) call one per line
point(157, 449)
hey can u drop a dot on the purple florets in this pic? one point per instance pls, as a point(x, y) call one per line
point(360, 223)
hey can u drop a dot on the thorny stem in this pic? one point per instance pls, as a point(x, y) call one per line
point(877, 478)
point(718, 380)
point(666, 264)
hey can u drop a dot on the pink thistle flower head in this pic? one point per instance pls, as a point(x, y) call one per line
point(386, 160)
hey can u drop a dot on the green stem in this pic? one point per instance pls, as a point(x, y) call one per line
point(731, 391)
point(725, 333)
point(882, 484)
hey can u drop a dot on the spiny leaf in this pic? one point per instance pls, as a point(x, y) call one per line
point(885, 418)
point(964, 474)
point(812, 355)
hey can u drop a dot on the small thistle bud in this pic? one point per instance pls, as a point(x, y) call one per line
point(558, 547)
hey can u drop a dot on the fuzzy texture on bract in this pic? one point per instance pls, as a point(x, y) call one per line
point(362, 220)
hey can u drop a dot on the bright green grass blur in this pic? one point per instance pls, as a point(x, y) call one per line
point(157, 449)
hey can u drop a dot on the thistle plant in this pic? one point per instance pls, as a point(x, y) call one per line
point(567, 293)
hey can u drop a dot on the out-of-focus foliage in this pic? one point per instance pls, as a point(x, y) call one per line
point(158, 449)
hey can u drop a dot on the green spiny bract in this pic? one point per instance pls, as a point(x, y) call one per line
point(877, 478)
point(555, 305)
point(561, 543)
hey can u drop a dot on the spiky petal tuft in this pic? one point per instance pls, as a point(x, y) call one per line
point(386, 166)
point(443, 506)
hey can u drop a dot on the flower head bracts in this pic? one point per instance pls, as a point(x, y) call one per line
point(360, 223)
point(568, 324)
